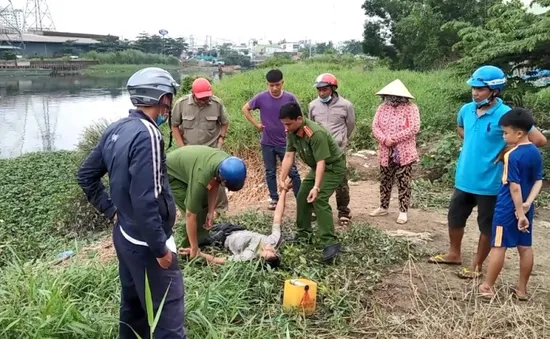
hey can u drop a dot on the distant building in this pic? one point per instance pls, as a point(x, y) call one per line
point(11, 20)
point(291, 47)
point(49, 44)
point(267, 50)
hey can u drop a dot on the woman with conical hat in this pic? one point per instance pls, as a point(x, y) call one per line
point(395, 125)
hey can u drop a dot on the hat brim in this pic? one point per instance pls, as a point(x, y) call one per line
point(476, 83)
point(202, 95)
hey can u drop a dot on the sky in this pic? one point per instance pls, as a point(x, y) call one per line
point(237, 20)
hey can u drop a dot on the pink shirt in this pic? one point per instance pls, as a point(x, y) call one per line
point(401, 124)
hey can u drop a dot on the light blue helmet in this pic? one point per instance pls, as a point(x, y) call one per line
point(148, 85)
point(488, 76)
point(233, 173)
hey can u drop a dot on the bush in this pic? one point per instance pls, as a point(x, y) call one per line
point(41, 201)
point(131, 57)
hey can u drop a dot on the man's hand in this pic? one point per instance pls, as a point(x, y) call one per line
point(287, 184)
point(165, 261)
point(312, 196)
point(389, 142)
point(282, 183)
point(259, 127)
point(523, 223)
point(189, 251)
point(209, 220)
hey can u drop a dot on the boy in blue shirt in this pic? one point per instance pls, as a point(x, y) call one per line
point(514, 210)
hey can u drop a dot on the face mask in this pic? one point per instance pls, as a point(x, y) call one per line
point(481, 103)
point(160, 120)
point(325, 100)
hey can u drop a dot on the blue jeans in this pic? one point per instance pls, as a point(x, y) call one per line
point(270, 155)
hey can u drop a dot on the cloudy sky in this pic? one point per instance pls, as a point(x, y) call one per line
point(221, 19)
point(237, 20)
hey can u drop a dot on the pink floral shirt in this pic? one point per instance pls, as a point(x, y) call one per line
point(400, 123)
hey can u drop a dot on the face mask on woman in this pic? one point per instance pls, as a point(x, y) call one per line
point(394, 100)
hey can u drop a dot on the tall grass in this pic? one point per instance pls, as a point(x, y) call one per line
point(238, 300)
point(131, 57)
point(439, 95)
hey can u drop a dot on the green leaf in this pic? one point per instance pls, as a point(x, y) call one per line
point(148, 301)
point(136, 334)
point(159, 311)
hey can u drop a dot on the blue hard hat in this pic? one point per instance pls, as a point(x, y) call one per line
point(233, 173)
point(488, 76)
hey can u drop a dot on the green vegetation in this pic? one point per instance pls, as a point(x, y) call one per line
point(131, 57)
point(236, 300)
point(110, 70)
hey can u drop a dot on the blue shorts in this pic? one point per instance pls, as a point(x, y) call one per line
point(506, 234)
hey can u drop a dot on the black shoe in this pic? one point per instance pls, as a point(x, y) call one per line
point(330, 253)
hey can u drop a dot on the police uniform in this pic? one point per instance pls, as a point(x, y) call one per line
point(313, 143)
point(201, 125)
point(190, 171)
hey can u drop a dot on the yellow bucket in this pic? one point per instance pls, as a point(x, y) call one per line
point(300, 294)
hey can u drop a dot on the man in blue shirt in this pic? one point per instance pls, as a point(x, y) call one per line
point(514, 210)
point(479, 170)
point(131, 151)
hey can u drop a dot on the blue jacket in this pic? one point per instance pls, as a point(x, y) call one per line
point(131, 151)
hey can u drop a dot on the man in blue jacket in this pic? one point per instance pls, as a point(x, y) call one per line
point(131, 152)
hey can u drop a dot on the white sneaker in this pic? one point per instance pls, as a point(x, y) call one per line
point(378, 212)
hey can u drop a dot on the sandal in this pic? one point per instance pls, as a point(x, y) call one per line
point(272, 205)
point(485, 295)
point(344, 221)
point(466, 273)
point(516, 296)
point(378, 212)
point(440, 259)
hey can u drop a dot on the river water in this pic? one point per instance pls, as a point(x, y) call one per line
point(49, 114)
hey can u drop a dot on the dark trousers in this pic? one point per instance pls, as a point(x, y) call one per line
point(342, 197)
point(133, 261)
point(270, 155)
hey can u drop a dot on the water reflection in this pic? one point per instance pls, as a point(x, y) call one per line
point(47, 114)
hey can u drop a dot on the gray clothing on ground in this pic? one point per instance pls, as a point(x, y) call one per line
point(245, 244)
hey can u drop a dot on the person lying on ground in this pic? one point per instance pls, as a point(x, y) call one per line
point(514, 210)
point(248, 245)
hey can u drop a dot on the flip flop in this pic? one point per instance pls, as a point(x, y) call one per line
point(466, 273)
point(485, 295)
point(440, 259)
point(514, 293)
point(344, 221)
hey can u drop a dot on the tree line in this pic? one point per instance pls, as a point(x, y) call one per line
point(427, 34)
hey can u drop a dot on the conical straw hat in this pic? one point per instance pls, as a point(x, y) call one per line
point(396, 88)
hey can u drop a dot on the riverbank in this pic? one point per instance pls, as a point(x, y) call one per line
point(118, 70)
point(43, 212)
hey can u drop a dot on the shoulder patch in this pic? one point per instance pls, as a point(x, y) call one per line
point(216, 99)
point(308, 131)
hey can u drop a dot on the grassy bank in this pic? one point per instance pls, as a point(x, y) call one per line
point(110, 70)
point(233, 301)
point(43, 212)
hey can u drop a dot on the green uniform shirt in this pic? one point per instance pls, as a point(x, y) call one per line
point(313, 143)
point(195, 166)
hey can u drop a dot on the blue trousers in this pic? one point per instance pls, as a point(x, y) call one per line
point(270, 155)
point(133, 260)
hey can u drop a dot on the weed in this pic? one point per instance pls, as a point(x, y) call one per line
point(233, 300)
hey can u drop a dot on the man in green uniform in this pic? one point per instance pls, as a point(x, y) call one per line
point(200, 118)
point(317, 148)
point(195, 173)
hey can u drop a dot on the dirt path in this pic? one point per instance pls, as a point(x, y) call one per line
point(424, 277)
